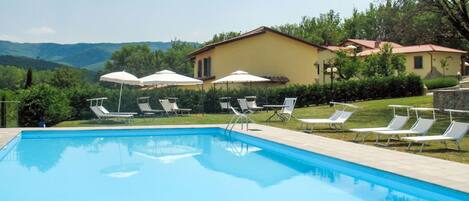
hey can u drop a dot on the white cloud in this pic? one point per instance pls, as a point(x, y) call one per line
point(43, 30)
point(9, 37)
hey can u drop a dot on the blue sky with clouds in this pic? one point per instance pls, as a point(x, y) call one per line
point(72, 21)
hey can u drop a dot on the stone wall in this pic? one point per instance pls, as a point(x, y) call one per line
point(451, 99)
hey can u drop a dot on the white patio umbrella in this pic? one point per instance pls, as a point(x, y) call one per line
point(120, 77)
point(169, 78)
point(240, 77)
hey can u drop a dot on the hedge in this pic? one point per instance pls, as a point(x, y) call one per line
point(208, 100)
point(348, 91)
point(441, 82)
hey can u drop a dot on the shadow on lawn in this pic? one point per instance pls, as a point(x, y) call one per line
point(449, 150)
point(103, 122)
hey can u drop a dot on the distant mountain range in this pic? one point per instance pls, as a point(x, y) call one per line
point(26, 62)
point(91, 56)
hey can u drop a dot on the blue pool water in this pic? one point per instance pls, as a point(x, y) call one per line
point(188, 165)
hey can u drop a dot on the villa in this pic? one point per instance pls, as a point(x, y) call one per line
point(286, 59)
point(423, 60)
point(264, 52)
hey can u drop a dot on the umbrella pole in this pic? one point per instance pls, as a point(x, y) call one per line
point(203, 100)
point(120, 97)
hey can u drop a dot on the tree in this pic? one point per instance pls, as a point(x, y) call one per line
point(326, 29)
point(384, 63)
point(29, 79)
point(141, 61)
point(66, 77)
point(12, 77)
point(3, 113)
point(444, 63)
point(222, 36)
point(347, 65)
point(456, 12)
point(136, 59)
point(175, 58)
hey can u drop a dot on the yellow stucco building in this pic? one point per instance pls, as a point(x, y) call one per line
point(423, 60)
point(289, 60)
point(264, 52)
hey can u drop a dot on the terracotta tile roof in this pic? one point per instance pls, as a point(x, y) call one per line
point(414, 49)
point(254, 32)
point(371, 43)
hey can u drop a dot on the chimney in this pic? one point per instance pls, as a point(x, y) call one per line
point(377, 43)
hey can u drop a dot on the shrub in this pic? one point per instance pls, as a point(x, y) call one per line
point(441, 82)
point(43, 101)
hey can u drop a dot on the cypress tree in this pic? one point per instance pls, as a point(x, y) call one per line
point(3, 113)
point(29, 79)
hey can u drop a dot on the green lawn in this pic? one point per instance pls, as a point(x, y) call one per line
point(371, 114)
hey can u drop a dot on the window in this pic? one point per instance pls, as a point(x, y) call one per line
point(418, 62)
point(207, 67)
point(318, 68)
point(199, 68)
point(359, 49)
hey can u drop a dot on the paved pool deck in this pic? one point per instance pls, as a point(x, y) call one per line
point(437, 171)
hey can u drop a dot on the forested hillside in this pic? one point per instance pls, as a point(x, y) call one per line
point(26, 62)
point(79, 55)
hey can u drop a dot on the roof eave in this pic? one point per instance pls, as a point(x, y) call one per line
point(262, 31)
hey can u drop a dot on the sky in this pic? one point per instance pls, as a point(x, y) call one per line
point(73, 21)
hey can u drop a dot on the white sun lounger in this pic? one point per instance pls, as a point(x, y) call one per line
point(145, 108)
point(243, 105)
point(420, 127)
point(102, 113)
point(167, 107)
point(178, 110)
point(225, 103)
point(287, 112)
point(105, 111)
point(252, 105)
point(396, 123)
point(172, 108)
point(455, 132)
point(337, 119)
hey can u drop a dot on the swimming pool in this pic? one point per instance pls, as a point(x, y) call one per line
point(188, 164)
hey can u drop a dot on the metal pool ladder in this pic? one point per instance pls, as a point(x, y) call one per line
point(237, 117)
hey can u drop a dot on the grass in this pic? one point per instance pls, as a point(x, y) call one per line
point(371, 114)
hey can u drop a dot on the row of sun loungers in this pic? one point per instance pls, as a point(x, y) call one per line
point(419, 130)
point(169, 108)
point(417, 133)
